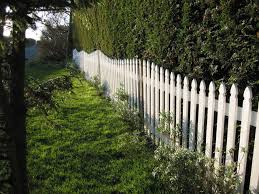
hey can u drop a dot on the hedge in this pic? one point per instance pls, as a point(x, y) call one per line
point(214, 40)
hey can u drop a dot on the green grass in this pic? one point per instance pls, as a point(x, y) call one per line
point(84, 146)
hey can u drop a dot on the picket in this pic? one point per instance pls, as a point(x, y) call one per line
point(185, 111)
point(194, 99)
point(172, 103)
point(167, 95)
point(149, 118)
point(254, 179)
point(162, 89)
point(153, 90)
point(232, 120)
point(220, 124)
point(201, 115)
point(137, 85)
point(157, 85)
point(145, 91)
point(210, 119)
point(152, 104)
point(244, 135)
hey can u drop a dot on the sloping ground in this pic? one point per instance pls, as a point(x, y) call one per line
point(84, 147)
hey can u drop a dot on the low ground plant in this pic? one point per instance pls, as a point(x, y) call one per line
point(129, 115)
point(183, 171)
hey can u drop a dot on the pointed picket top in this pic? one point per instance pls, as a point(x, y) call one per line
point(167, 74)
point(185, 82)
point(156, 69)
point(194, 84)
point(148, 69)
point(179, 79)
point(248, 94)
point(234, 91)
point(153, 66)
point(161, 74)
point(144, 68)
point(172, 77)
point(222, 89)
point(202, 86)
point(212, 87)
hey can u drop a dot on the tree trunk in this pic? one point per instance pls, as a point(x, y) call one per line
point(17, 104)
point(70, 35)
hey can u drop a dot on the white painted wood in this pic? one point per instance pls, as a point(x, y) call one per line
point(220, 124)
point(125, 75)
point(167, 89)
point(244, 136)
point(178, 105)
point(185, 111)
point(167, 94)
point(201, 116)
point(132, 84)
point(152, 104)
point(232, 120)
point(137, 85)
point(210, 119)
point(192, 127)
point(162, 89)
point(129, 82)
point(254, 179)
point(156, 101)
point(148, 97)
point(172, 102)
point(145, 90)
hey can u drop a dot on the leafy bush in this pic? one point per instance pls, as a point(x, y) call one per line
point(129, 115)
point(96, 82)
point(184, 171)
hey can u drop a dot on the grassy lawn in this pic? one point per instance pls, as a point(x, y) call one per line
point(84, 147)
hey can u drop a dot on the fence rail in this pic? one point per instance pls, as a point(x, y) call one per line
point(208, 125)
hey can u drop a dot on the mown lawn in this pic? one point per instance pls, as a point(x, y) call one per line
point(84, 146)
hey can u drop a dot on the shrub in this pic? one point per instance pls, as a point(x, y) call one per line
point(184, 171)
point(96, 82)
point(129, 115)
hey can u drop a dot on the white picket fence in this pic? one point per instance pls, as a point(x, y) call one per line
point(153, 90)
